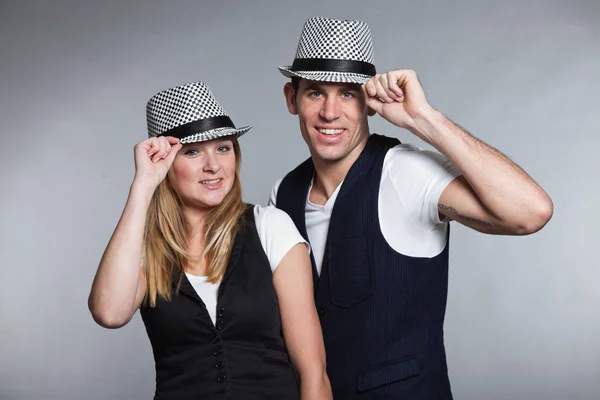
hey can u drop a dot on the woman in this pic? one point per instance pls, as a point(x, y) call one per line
point(225, 289)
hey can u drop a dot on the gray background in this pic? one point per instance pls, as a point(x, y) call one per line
point(522, 319)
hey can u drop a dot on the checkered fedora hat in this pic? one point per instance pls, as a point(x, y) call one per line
point(332, 50)
point(189, 112)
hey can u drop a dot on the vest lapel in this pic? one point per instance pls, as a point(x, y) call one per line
point(185, 287)
point(296, 209)
point(361, 168)
point(237, 248)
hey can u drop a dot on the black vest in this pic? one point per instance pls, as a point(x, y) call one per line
point(244, 356)
point(382, 312)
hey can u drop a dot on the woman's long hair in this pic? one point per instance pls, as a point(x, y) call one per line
point(166, 233)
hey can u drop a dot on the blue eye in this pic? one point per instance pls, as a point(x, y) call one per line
point(223, 149)
point(315, 94)
point(191, 152)
point(348, 95)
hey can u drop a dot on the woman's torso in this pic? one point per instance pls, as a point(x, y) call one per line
point(241, 355)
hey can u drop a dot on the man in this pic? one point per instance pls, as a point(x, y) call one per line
point(377, 212)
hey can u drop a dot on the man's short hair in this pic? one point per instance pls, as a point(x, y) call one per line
point(295, 84)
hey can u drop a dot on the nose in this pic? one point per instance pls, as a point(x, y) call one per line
point(330, 109)
point(211, 163)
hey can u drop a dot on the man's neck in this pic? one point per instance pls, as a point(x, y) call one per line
point(329, 175)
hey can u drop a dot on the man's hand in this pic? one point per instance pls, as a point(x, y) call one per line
point(397, 96)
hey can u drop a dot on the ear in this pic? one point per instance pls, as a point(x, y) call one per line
point(370, 111)
point(290, 98)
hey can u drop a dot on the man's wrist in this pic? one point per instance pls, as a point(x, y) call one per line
point(429, 124)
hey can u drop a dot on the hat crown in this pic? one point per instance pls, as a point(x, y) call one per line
point(328, 38)
point(181, 105)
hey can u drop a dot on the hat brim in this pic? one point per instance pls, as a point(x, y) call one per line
point(325, 76)
point(215, 134)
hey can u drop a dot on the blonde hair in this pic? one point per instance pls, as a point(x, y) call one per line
point(166, 232)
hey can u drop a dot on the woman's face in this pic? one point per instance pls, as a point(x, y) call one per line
point(204, 172)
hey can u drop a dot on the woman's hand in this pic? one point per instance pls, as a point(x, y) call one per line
point(153, 158)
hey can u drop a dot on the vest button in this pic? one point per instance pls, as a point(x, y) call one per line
point(221, 311)
point(218, 351)
point(220, 324)
point(216, 339)
point(222, 378)
point(220, 365)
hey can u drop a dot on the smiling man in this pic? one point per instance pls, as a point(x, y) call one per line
point(376, 212)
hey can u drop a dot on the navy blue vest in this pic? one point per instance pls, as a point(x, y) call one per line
point(382, 312)
point(244, 356)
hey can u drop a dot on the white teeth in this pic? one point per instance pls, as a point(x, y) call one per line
point(331, 131)
point(210, 182)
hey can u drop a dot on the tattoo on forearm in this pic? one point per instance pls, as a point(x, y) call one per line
point(455, 215)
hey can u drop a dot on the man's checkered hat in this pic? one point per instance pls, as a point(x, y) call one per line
point(189, 112)
point(333, 51)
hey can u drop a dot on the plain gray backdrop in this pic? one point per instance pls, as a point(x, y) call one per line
point(523, 318)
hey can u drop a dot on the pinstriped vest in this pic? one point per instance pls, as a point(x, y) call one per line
point(382, 312)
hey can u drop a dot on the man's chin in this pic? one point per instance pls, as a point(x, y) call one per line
point(328, 158)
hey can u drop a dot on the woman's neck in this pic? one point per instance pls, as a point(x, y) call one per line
point(196, 241)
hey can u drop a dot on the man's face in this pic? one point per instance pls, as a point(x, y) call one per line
point(333, 117)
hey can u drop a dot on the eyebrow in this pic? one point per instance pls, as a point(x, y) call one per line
point(313, 86)
point(319, 88)
point(223, 140)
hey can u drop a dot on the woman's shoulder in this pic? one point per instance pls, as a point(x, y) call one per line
point(277, 232)
point(269, 217)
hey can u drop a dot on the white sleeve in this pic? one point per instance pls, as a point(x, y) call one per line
point(277, 233)
point(273, 197)
point(419, 178)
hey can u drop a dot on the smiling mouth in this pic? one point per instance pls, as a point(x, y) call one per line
point(330, 131)
point(211, 181)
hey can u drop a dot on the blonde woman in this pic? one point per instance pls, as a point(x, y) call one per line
point(225, 289)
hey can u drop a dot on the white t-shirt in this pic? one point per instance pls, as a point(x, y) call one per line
point(412, 182)
point(277, 234)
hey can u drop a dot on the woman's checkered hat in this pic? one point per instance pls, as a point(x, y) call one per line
point(189, 112)
point(332, 50)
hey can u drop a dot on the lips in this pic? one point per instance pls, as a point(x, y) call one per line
point(330, 131)
point(212, 184)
